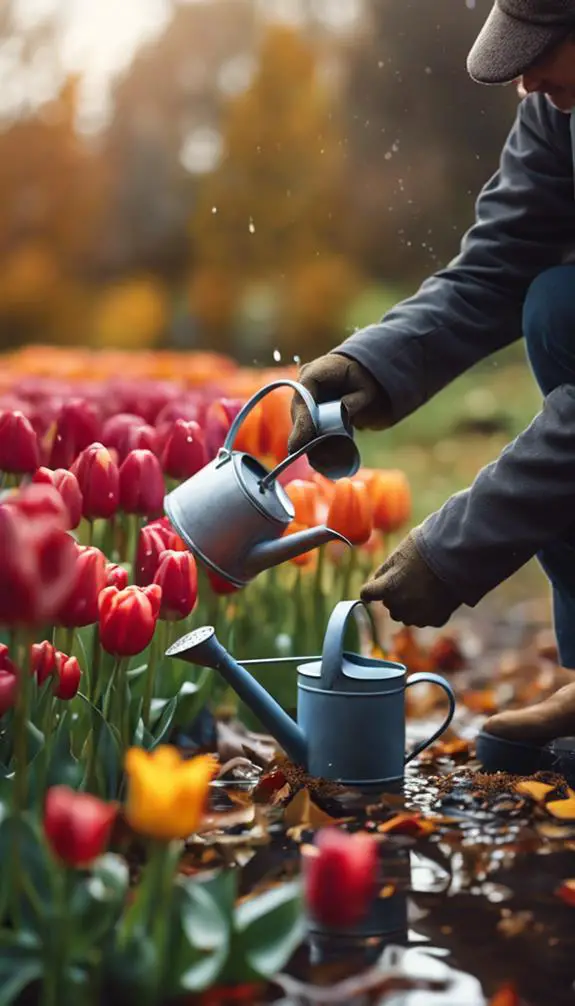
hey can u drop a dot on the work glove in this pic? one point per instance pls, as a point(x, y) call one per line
point(332, 377)
point(410, 590)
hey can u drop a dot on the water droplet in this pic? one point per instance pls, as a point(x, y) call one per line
point(251, 227)
point(214, 209)
point(277, 355)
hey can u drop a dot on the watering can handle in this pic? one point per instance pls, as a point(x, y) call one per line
point(432, 679)
point(255, 399)
point(332, 655)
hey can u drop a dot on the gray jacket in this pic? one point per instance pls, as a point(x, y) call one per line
point(525, 223)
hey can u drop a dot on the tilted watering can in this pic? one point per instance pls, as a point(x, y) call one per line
point(233, 513)
point(350, 709)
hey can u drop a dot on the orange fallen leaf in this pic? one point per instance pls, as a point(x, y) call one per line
point(407, 824)
point(387, 892)
point(566, 891)
point(302, 813)
point(536, 790)
point(563, 809)
point(449, 749)
point(506, 996)
point(480, 702)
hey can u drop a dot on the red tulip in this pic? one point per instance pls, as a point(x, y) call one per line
point(98, 479)
point(40, 502)
point(171, 539)
point(77, 426)
point(151, 547)
point(116, 576)
point(128, 618)
point(126, 432)
point(219, 417)
point(220, 585)
point(67, 485)
point(37, 559)
point(8, 680)
point(177, 575)
point(81, 607)
point(184, 452)
point(142, 487)
point(77, 825)
point(340, 877)
point(68, 676)
point(19, 451)
point(43, 660)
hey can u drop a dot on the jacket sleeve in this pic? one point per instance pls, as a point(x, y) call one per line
point(525, 221)
point(516, 506)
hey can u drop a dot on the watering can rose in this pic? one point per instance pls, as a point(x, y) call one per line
point(166, 793)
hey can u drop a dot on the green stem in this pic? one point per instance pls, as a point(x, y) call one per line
point(151, 670)
point(20, 786)
point(53, 989)
point(90, 532)
point(94, 669)
point(135, 523)
point(349, 571)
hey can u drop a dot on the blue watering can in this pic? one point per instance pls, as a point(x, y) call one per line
point(350, 709)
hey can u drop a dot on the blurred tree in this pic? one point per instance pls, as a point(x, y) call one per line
point(422, 136)
point(275, 207)
point(52, 188)
point(131, 314)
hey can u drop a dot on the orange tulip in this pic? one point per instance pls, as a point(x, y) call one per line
point(390, 498)
point(304, 496)
point(276, 423)
point(249, 438)
point(350, 511)
point(307, 558)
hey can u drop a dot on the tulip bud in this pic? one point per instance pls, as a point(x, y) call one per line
point(68, 676)
point(67, 485)
point(220, 585)
point(77, 825)
point(81, 607)
point(98, 479)
point(304, 496)
point(8, 680)
point(128, 618)
point(391, 499)
point(77, 426)
point(177, 575)
point(126, 432)
point(19, 451)
point(184, 452)
point(171, 539)
point(37, 559)
point(340, 877)
point(116, 576)
point(142, 487)
point(42, 660)
point(350, 511)
point(40, 502)
point(219, 417)
point(151, 547)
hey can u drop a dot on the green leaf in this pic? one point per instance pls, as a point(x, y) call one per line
point(33, 880)
point(192, 697)
point(36, 740)
point(163, 726)
point(136, 672)
point(97, 902)
point(109, 751)
point(199, 939)
point(132, 967)
point(63, 769)
point(270, 927)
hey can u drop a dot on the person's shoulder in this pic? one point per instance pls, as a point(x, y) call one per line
point(539, 115)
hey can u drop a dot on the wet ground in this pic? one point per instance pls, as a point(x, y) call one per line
point(473, 871)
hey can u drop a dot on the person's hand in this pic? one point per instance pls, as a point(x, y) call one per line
point(338, 377)
point(410, 590)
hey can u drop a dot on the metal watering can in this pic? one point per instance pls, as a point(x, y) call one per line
point(350, 709)
point(232, 514)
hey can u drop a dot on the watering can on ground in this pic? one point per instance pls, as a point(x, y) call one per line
point(350, 709)
point(233, 513)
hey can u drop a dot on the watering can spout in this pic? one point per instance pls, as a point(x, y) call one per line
point(290, 546)
point(201, 648)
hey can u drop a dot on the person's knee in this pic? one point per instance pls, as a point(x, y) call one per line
point(549, 312)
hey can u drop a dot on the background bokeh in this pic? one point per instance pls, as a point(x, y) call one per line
point(256, 177)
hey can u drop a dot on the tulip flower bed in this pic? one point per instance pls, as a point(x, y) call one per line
point(156, 848)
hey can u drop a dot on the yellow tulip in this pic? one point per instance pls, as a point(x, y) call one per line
point(166, 793)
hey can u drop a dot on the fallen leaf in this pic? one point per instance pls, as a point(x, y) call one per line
point(447, 749)
point(269, 785)
point(407, 824)
point(302, 813)
point(566, 891)
point(388, 891)
point(506, 996)
point(480, 702)
point(536, 790)
point(563, 809)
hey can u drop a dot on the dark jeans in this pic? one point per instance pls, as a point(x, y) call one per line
point(549, 330)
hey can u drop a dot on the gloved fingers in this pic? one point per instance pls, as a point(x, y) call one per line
point(303, 429)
